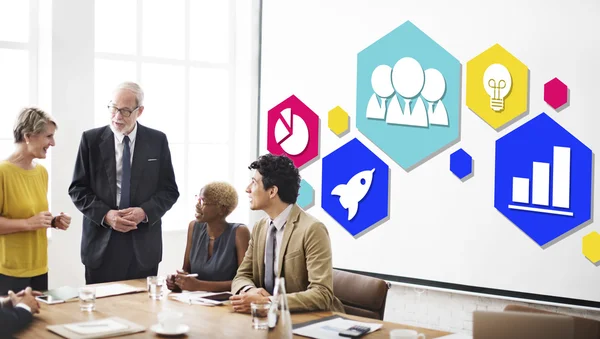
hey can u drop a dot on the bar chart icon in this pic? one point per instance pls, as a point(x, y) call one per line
point(545, 198)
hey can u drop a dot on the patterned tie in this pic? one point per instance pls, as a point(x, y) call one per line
point(270, 263)
point(126, 175)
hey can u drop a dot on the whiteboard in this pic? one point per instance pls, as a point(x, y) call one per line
point(443, 231)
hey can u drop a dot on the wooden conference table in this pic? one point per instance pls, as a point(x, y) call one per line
point(204, 321)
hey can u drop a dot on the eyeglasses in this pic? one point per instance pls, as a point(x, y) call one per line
point(124, 111)
point(201, 201)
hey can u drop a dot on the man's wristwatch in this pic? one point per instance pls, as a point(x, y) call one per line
point(53, 223)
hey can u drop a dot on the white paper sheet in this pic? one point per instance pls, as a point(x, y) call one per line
point(196, 298)
point(329, 329)
point(116, 289)
point(96, 327)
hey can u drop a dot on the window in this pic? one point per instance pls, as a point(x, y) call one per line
point(182, 56)
point(25, 39)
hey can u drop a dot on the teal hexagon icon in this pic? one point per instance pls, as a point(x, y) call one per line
point(408, 96)
point(306, 195)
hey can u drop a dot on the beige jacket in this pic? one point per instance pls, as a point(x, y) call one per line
point(304, 262)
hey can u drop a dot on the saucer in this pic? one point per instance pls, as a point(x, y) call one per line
point(181, 329)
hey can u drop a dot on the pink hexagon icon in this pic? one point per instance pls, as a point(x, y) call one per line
point(556, 94)
point(293, 130)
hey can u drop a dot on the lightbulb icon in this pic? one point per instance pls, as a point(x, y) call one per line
point(497, 83)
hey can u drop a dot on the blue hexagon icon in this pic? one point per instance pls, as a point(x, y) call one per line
point(461, 164)
point(543, 180)
point(355, 187)
point(408, 96)
point(306, 195)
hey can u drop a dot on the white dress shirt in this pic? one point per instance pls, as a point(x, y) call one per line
point(119, 154)
point(279, 223)
point(4, 301)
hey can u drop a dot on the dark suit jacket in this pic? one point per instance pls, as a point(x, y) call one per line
point(13, 320)
point(94, 191)
point(304, 262)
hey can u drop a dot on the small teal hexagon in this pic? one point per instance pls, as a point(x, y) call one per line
point(306, 195)
point(461, 164)
point(408, 96)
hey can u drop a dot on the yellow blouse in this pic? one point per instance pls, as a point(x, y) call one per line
point(23, 194)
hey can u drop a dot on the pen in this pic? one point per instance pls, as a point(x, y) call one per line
point(193, 275)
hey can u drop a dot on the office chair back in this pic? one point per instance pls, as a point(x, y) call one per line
point(361, 295)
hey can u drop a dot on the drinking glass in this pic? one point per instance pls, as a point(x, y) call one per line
point(87, 298)
point(260, 312)
point(155, 286)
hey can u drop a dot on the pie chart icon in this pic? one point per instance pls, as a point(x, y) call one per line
point(291, 132)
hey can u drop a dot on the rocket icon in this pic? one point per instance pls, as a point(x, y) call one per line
point(354, 191)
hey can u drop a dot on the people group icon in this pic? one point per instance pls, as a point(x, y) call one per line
point(407, 80)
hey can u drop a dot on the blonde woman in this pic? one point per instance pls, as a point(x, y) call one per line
point(24, 215)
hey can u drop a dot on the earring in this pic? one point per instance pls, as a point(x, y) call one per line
point(27, 142)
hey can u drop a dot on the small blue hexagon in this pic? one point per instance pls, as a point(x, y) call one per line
point(543, 180)
point(461, 164)
point(408, 96)
point(355, 187)
point(306, 195)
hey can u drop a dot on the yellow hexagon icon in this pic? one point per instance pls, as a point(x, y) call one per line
point(497, 86)
point(591, 247)
point(338, 121)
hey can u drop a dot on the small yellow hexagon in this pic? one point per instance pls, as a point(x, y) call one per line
point(497, 86)
point(591, 247)
point(338, 121)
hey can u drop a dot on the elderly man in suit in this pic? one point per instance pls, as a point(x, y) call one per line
point(123, 183)
point(287, 243)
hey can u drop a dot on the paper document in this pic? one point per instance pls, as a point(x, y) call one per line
point(457, 336)
point(196, 298)
point(97, 327)
point(116, 289)
point(63, 293)
point(331, 328)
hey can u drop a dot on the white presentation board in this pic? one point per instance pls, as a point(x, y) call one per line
point(441, 230)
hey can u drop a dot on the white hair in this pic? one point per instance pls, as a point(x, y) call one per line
point(135, 88)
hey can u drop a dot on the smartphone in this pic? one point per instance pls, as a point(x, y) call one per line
point(48, 299)
point(355, 331)
point(224, 296)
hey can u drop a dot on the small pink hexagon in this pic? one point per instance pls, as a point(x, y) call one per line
point(293, 130)
point(556, 93)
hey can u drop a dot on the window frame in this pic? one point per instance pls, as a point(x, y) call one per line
point(186, 192)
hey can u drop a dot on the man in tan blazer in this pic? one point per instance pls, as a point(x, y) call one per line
point(287, 243)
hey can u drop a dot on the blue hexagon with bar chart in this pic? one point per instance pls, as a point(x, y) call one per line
point(543, 180)
point(355, 187)
point(408, 96)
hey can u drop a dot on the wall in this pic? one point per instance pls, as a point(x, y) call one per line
point(452, 312)
point(439, 228)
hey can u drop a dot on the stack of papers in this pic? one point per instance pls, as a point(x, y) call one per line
point(330, 327)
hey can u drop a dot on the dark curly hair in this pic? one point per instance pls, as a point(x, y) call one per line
point(279, 170)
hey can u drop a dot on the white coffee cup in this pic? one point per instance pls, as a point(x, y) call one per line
point(169, 320)
point(406, 334)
